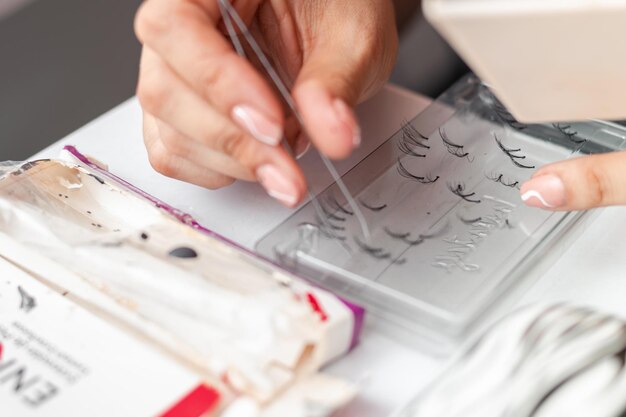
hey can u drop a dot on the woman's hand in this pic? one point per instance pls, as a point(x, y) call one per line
point(211, 117)
point(578, 184)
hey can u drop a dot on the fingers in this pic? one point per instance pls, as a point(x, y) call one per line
point(184, 34)
point(174, 166)
point(298, 141)
point(195, 153)
point(330, 122)
point(215, 141)
point(348, 60)
point(578, 184)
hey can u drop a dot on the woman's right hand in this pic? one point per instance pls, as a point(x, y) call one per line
point(210, 117)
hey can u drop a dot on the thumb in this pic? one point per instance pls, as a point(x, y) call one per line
point(325, 92)
point(345, 64)
point(578, 184)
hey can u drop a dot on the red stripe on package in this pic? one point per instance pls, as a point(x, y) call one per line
point(316, 306)
point(197, 403)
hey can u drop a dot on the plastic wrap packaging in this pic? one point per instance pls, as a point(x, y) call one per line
point(251, 329)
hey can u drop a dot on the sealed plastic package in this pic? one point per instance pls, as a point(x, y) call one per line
point(253, 332)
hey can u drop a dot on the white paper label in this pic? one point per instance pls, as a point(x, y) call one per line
point(57, 359)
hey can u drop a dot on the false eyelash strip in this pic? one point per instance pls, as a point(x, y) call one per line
point(378, 253)
point(411, 139)
point(406, 149)
point(406, 174)
point(567, 131)
point(330, 215)
point(459, 190)
point(500, 179)
point(453, 148)
point(511, 153)
point(325, 230)
point(505, 116)
point(331, 225)
point(332, 201)
point(470, 221)
point(373, 208)
point(405, 237)
point(397, 235)
point(410, 135)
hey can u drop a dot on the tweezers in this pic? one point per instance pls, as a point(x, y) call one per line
point(230, 16)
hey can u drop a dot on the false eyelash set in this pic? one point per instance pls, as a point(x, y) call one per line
point(415, 145)
point(448, 231)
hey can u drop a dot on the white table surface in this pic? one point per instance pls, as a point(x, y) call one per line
point(591, 271)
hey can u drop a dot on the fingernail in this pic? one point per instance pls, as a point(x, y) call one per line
point(302, 146)
point(346, 116)
point(259, 125)
point(277, 185)
point(356, 139)
point(545, 191)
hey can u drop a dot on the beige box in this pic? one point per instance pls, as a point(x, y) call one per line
point(547, 60)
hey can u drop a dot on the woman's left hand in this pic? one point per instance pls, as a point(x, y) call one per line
point(578, 184)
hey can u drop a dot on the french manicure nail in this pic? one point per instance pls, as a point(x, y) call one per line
point(277, 185)
point(545, 191)
point(259, 125)
point(346, 116)
point(302, 146)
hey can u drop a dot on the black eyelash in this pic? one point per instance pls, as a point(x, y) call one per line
point(506, 117)
point(373, 208)
point(567, 131)
point(410, 134)
point(500, 179)
point(459, 190)
point(470, 221)
point(411, 138)
point(397, 235)
point(406, 174)
point(453, 148)
point(405, 149)
point(405, 237)
point(334, 203)
point(511, 154)
point(331, 215)
point(378, 253)
point(430, 180)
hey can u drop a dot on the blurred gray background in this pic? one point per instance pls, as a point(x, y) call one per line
point(65, 62)
point(62, 63)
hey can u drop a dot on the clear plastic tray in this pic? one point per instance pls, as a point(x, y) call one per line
point(449, 233)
